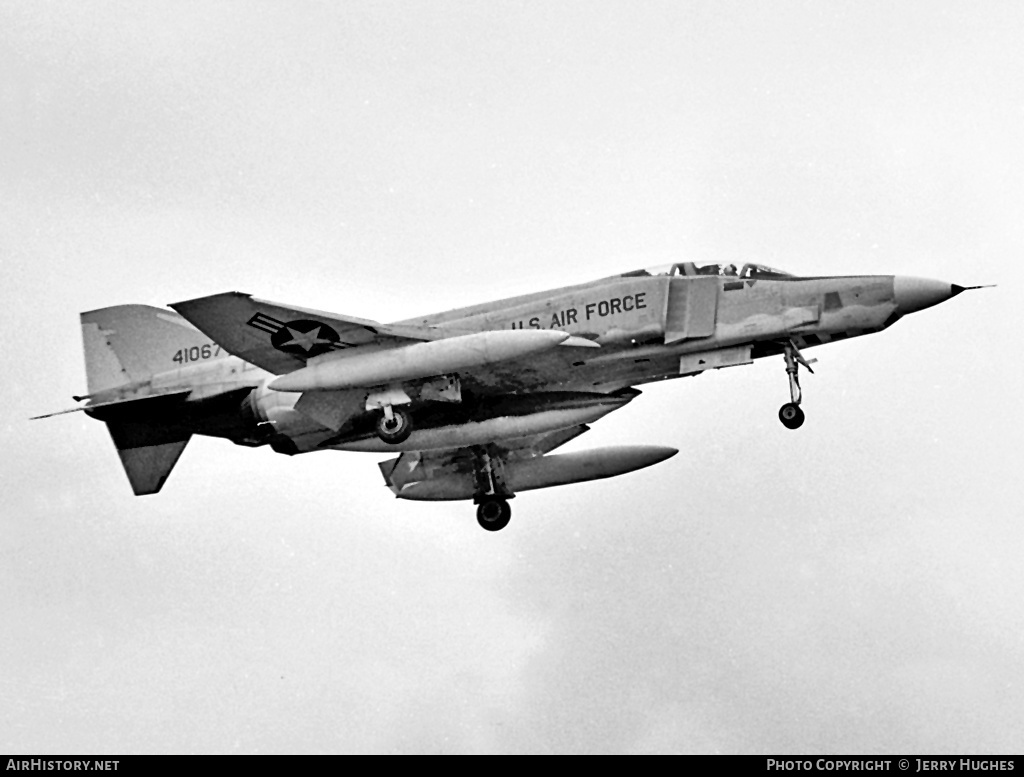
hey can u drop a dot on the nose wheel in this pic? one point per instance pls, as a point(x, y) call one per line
point(790, 414)
point(394, 426)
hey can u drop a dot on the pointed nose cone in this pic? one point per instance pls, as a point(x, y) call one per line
point(913, 294)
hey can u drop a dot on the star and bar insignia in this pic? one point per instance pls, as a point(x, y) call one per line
point(304, 337)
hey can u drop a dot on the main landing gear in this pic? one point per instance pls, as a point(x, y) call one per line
point(493, 513)
point(394, 426)
point(492, 493)
point(790, 414)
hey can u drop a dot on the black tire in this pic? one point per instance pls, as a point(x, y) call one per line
point(398, 430)
point(493, 513)
point(791, 415)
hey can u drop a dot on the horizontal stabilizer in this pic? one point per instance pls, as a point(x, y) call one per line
point(121, 402)
point(148, 439)
point(148, 466)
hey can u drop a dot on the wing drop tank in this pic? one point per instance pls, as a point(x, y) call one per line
point(542, 472)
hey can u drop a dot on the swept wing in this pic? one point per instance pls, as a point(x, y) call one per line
point(281, 338)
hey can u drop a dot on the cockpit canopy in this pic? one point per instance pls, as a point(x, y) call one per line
point(690, 269)
point(751, 270)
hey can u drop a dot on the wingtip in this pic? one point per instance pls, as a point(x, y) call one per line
point(176, 305)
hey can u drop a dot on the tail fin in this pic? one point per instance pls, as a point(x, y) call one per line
point(126, 345)
point(131, 343)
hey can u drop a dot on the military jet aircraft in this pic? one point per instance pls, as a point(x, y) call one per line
point(473, 400)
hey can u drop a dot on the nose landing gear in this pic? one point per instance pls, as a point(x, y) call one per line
point(790, 414)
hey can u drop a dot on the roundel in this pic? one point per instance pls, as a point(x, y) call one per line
point(305, 338)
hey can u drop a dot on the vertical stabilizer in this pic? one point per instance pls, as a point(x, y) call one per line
point(103, 371)
point(131, 343)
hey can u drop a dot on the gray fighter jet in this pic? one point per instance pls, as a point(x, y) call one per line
point(473, 400)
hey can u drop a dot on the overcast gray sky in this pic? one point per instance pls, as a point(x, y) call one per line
point(852, 587)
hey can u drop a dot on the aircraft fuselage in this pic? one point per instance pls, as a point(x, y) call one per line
point(479, 394)
point(648, 328)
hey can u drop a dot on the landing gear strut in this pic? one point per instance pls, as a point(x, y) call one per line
point(492, 494)
point(790, 414)
point(493, 513)
point(394, 426)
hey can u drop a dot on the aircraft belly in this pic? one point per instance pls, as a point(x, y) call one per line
point(606, 372)
point(546, 371)
point(715, 360)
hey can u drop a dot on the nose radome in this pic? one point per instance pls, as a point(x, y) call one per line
point(913, 294)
